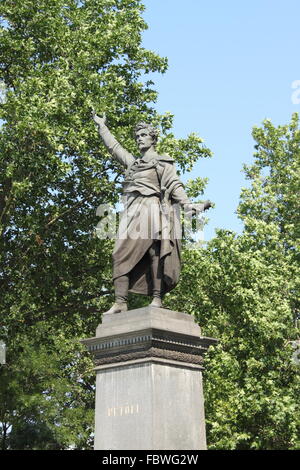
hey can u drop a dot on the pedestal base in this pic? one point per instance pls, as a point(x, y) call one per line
point(149, 381)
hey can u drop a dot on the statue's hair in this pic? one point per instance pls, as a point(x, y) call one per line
point(153, 131)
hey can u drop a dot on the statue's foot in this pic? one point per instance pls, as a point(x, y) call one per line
point(117, 308)
point(156, 302)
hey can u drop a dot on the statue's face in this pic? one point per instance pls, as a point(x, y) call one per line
point(144, 140)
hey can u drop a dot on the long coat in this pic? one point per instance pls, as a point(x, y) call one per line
point(152, 192)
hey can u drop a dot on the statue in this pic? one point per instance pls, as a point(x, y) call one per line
point(148, 265)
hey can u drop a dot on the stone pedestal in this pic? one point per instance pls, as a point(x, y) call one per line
point(149, 381)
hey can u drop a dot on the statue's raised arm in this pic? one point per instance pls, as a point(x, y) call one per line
point(110, 142)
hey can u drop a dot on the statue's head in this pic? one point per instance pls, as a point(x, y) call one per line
point(145, 135)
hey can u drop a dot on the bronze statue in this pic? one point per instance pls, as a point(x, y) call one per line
point(148, 265)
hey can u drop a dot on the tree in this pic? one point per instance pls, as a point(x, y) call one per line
point(243, 290)
point(273, 196)
point(47, 399)
point(60, 59)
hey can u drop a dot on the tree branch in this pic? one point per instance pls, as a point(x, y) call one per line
point(62, 214)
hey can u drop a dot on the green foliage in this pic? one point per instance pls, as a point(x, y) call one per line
point(60, 59)
point(185, 151)
point(48, 392)
point(275, 178)
point(274, 194)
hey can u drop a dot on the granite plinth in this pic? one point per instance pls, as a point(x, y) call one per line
point(149, 364)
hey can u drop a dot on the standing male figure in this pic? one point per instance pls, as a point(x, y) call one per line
point(146, 264)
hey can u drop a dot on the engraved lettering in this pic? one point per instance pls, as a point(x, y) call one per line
point(123, 410)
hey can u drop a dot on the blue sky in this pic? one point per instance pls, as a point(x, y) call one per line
point(231, 65)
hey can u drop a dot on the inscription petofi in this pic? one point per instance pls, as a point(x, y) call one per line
point(124, 410)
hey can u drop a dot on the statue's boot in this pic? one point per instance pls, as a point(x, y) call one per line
point(117, 308)
point(121, 293)
point(156, 302)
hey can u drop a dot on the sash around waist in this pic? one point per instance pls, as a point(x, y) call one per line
point(136, 193)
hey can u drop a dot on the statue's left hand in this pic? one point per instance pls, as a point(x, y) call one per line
point(207, 205)
point(198, 207)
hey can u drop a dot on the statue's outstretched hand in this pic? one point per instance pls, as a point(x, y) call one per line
point(100, 121)
point(207, 205)
point(196, 208)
